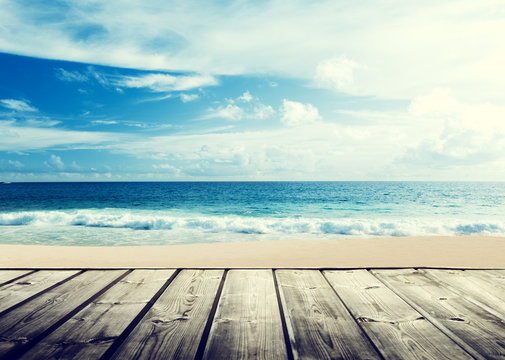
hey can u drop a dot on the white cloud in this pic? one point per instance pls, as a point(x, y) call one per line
point(188, 97)
point(262, 111)
point(251, 108)
point(70, 76)
point(16, 164)
point(295, 113)
point(104, 122)
point(26, 138)
point(167, 169)
point(437, 137)
point(158, 98)
point(164, 82)
point(55, 162)
point(336, 74)
point(17, 105)
point(228, 112)
point(314, 152)
point(245, 97)
point(42, 122)
point(75, 166)
point(407, 52)
point(456, 133)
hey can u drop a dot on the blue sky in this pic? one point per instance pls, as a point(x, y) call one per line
point(252, 90)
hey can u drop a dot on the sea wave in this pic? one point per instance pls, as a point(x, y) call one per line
point(253, 225)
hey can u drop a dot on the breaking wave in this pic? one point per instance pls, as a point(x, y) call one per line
point(200, 223)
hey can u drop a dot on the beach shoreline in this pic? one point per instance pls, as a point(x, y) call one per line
point(465, 252)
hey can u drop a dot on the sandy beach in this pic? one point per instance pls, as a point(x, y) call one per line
point(440, 252)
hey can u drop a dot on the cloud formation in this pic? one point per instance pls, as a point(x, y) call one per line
point(413, 49)
point(17, 105)
point(55, 162)
point(228, 112)
point(337, 74)
point(295, 113)
point(164, 82)
point(27, 138)
point(368, 90)
point(188, 97)
point(70, 76)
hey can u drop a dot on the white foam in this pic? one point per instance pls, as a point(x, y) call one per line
point(199, 223)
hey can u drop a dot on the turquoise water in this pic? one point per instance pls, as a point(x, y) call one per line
point(188, 212)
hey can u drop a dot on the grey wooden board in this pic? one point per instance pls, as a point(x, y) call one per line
point(398, 331)
point(319, 325)
point(90, 332)
point(474, 287)
point(247, 324)
point(495, 278)
point(461, 319)
point(172, 328)
point(24, 323)
point(22, 289)
point(7, 275)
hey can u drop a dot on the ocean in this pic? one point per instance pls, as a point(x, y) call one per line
point(164, 213)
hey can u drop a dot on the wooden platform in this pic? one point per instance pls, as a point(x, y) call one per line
point(252, 314)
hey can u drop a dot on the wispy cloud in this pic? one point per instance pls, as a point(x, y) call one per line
point(164, 82)
point(156, 98)
point(15, 164)
point(459, 43)
point(70, 76)
point(188, 97)
point(17, 105)
point(104, 122)
point(26, 138)
point(153, 82)
point(42, 122)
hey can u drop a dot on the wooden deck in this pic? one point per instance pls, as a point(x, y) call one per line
point(252, 314)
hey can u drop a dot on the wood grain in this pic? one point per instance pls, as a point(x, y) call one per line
point(22, 289)
point(495, 278)
point(23, 324)
point(476, 288)
point(172, 328)
point(90, 332)
point(247, 324)
point(8, 275)
point(319, 325)
point(397, 330)
point(468, 324)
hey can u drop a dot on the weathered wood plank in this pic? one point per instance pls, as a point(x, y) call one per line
point(90, 332)
point(172, 328)
point(397, 330)
point(8, 275)
point(474, 287)
point(466, 323)
point(22, 289)
point(319, 325)
point(25, 323)
point(247, 324)
point(495, 278)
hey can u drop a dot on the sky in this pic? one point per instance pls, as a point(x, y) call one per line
point(130, 90)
